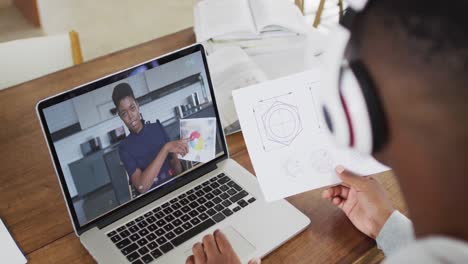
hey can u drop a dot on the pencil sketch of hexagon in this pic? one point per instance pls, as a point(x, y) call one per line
point(278, 121)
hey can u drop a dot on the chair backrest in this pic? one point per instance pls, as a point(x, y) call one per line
point(26, 59)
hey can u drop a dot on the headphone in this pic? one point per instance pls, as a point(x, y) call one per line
point(350, 103)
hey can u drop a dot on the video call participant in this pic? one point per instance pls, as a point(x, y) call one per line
point(417, 54)
point(147, 154)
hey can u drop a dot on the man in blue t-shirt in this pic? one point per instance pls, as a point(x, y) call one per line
point(147, 154)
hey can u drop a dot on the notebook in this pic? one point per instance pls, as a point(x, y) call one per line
point(246, 19)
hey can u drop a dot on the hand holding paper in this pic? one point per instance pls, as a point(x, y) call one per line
point(179, 147)
point(288, 143)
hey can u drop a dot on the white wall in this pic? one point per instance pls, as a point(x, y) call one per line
point(63, 114)
point(94, 107)
point(165, 75)
point(106, 26)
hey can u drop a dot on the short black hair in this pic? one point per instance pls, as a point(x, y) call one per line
point(435, 32)
point(121, 91)
point(432, 36)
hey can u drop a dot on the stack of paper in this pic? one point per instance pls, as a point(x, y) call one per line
point(246, 19)
point(9, 253)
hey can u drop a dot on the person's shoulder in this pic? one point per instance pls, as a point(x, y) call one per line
point(437, 249)
point(155, 125)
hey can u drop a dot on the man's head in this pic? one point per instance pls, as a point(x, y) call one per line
point(127, 107)
point(417, 53)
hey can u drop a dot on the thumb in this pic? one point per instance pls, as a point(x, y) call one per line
point(255, 261)
point(349, 177)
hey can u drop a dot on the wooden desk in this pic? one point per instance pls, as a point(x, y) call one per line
point(33, 208)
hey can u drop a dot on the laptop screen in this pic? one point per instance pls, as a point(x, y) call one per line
point(130, 134)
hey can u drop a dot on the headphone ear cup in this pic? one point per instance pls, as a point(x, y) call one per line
point(373, 105)
point(356, 112)
point(333, 112)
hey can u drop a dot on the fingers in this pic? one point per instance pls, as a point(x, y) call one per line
point(185, 146)
point(338, 201)
point(198, 253)
point(223, 244)
point(190, 260)
point(181, 151)
point(179, 148)
point(182, 146)
point(349, 177)
point(210, 246)
point(255, 261)
point(340, 190)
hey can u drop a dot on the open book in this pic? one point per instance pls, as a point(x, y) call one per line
point(246, 19)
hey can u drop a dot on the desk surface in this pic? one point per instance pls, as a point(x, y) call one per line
point(33, 208)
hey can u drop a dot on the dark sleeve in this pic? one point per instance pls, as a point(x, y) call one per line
point(165, 136)
point(128, 161)
point(163, 131)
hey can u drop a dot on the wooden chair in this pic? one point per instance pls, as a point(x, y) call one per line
point(27, 59)
point(321, 6)
point(319, 12)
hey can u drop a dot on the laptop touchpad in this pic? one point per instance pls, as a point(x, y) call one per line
point(240, 245)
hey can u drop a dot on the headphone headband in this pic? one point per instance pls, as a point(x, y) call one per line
point(357, 5)
point(349, 99)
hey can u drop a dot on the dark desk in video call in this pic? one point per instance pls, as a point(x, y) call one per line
point(32, 205)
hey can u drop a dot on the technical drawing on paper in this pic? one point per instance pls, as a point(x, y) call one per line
point(318, 160)
point(278, 121)
point(321, 161)
point(294, 169)
point(312, 86)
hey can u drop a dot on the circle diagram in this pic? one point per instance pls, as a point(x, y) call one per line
point(196, 141)
point(294, 168)
point(282, 123)
point(321, 161)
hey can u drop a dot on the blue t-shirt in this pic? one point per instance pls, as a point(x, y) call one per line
point(139, 150)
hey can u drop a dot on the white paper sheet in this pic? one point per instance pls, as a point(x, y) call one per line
point(289, 146)
point(10, 253)
point(201, 133)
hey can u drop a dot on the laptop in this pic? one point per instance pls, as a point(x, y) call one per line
point(145, 171)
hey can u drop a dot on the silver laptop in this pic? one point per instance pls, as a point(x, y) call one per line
point(144, 168)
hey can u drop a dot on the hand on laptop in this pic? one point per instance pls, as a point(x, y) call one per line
point(215, 249)
point(177, 146)
point(362, 199)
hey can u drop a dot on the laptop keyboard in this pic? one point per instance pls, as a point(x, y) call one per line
point(158, 231)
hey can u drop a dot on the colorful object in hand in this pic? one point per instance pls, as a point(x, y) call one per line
point(196, 141)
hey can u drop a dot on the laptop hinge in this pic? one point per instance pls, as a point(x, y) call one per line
point(151, 197)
